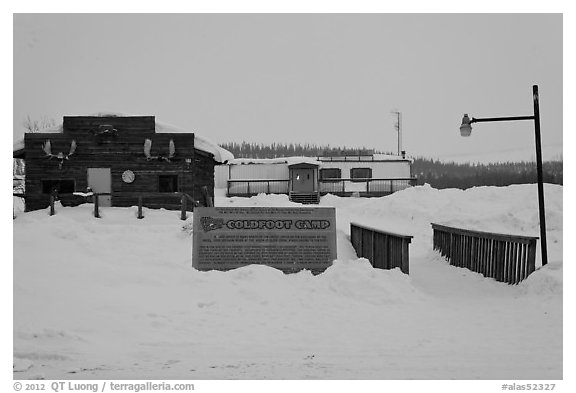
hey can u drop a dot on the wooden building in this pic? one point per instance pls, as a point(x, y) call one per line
point(124, 158)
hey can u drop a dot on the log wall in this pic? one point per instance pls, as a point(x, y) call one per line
point(120, 151)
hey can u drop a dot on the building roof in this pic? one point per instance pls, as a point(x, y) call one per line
point(317, 160)
point(280, 160)
point(200, 142)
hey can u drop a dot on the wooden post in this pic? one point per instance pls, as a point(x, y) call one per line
point(405, 267)
point(96, 208)
point(52, 198)
point(183, 211)
point(531, 260)
point(140, 215)
point(208, 201)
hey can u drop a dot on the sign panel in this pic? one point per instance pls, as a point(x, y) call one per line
point(289, 239)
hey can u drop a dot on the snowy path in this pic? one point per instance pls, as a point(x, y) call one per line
point(116, 299)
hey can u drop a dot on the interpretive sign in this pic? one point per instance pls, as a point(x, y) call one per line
point(289, 239)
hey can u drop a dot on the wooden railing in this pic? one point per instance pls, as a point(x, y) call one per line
point(506, 258)
point(252, 187)
point(185, 200)
point(384, 250)
point(239, 187)
point(374, 186)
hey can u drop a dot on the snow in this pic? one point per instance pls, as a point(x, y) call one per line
point(200, 142)
point(280, 160)
point(117, 298)
point(308, 160)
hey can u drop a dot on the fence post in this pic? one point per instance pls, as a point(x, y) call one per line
point(183, 211)
point(405, 267)
point(52, 198)
point(531, 257)
point(96, 207)
point(140, 215)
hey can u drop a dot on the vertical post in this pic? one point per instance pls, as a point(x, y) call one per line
point(531, 260)
point(96, 207)
point(140, 215)
point(540, 175)
point(183, 203)
point(399, 133)
point(406, 257)
point(399, 129)
point(52, 198)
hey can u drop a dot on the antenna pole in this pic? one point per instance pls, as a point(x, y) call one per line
point(399, 129)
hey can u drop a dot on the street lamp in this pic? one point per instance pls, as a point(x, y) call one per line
point(466, 130)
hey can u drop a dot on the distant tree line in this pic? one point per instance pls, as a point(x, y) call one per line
point(453, 175)
point(436, 173)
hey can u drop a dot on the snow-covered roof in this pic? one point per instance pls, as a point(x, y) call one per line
point(18, 145)
point(315, 160)
point(280, 160)
point(371, 157)
point(200, 142)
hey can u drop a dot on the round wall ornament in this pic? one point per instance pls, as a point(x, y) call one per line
point(128, 176)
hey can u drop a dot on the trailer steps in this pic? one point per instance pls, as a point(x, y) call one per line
point(305, 198)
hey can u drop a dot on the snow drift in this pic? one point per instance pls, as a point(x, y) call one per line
point(117, 298)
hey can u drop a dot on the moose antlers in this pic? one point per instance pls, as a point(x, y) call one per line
point(148, 147)
point(47, 147)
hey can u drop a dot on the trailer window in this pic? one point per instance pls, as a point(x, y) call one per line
point(328, 174)
point(361, 173)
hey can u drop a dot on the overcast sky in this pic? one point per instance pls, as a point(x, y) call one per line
point(306, 78)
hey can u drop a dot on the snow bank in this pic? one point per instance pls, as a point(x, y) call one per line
point(117, 298)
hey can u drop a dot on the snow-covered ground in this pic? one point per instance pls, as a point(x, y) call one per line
point(117, 298)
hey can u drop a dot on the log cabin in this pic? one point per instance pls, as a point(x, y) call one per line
point(121, 158)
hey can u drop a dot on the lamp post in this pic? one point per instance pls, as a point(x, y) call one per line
point(466, 130)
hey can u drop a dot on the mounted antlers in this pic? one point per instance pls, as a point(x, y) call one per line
point(47, 147)
point(148, 148)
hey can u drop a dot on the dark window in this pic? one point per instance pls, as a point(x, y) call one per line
point(330, 174)
point(63, 186)
point(361, 173)
point(168, 183)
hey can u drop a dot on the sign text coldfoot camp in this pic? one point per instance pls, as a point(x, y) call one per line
point(278, 224)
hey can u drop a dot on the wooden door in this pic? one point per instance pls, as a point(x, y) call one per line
point(100, 180)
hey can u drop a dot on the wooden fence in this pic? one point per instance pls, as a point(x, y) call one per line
point(384, 250)
point(185, 201)
point(506, 258)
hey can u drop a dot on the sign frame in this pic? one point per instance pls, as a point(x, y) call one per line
point(287, 238)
